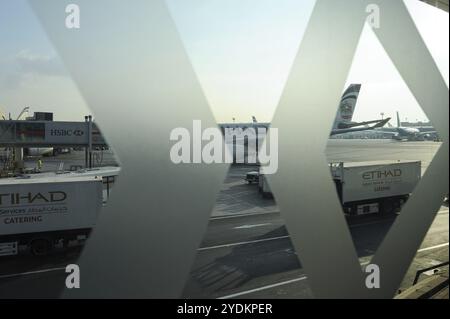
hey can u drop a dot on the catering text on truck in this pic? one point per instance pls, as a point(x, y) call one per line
point(39, 214)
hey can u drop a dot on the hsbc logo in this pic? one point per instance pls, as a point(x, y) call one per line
point(63, 132)
point(78, 133)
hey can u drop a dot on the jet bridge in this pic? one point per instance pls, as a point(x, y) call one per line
point(21, 134)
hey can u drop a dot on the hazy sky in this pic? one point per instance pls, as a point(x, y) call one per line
point(31, 74)
point(242, 51)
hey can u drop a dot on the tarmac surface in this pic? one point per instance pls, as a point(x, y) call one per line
point(246, 251)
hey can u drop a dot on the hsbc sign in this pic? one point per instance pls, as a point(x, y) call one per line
point(63, 132)
point(71, 133)
point(48, 133)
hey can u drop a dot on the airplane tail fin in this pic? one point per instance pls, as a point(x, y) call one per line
point(347, 105)
point(254, 119)
point(399, 124)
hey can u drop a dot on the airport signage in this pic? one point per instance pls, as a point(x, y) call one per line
point(48, 133)
point(30, 198)
point(66, 133)
point(63, 132)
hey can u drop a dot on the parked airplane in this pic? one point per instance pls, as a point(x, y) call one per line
point(46, 151)
point(401, 133)
point(39, 151)
point(342, 123)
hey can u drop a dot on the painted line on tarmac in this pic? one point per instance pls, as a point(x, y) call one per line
point(225, 297)
point(242, 243)
point(273, 212)
point(251, 226)
point(242, 215)
point(432, 247)
point(287, 236)
point(282, 283)
point(263, 288)
point(271, 238)
point(31, 272)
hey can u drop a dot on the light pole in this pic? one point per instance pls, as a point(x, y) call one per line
point(18, 151)
point(25, 110)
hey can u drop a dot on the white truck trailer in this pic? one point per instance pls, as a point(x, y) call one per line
point(375, 187)
point(370, 187)
point(40, 214)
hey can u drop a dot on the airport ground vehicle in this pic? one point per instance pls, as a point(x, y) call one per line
point(252, 177)
point(43, 213)
point(61, 150)
point(263, 187)
point(370, 187)
point(375, 187)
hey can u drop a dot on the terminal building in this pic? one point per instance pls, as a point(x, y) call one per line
point(41, 116)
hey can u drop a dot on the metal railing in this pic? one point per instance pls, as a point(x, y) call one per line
point(419, 272)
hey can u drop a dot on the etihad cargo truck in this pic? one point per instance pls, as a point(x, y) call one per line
point(40, 214)
point(370, 187)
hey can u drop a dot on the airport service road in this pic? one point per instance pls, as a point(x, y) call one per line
point(260, 261)
point(259, 264)
point(52, 163)
point(257, 228)
point(35, 277)
point(372, 150)
point(246, 252)
point(337, 150)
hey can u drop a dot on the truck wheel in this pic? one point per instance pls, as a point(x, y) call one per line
point(267, 195)
point(387, 207)
point(40, 247)
point(351, 210)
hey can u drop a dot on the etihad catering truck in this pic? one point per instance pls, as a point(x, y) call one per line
point(369, 187)
point(375, 187)
point(40, 214)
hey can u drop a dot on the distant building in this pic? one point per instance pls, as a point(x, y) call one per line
point(41, 116)
point(416, 124)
